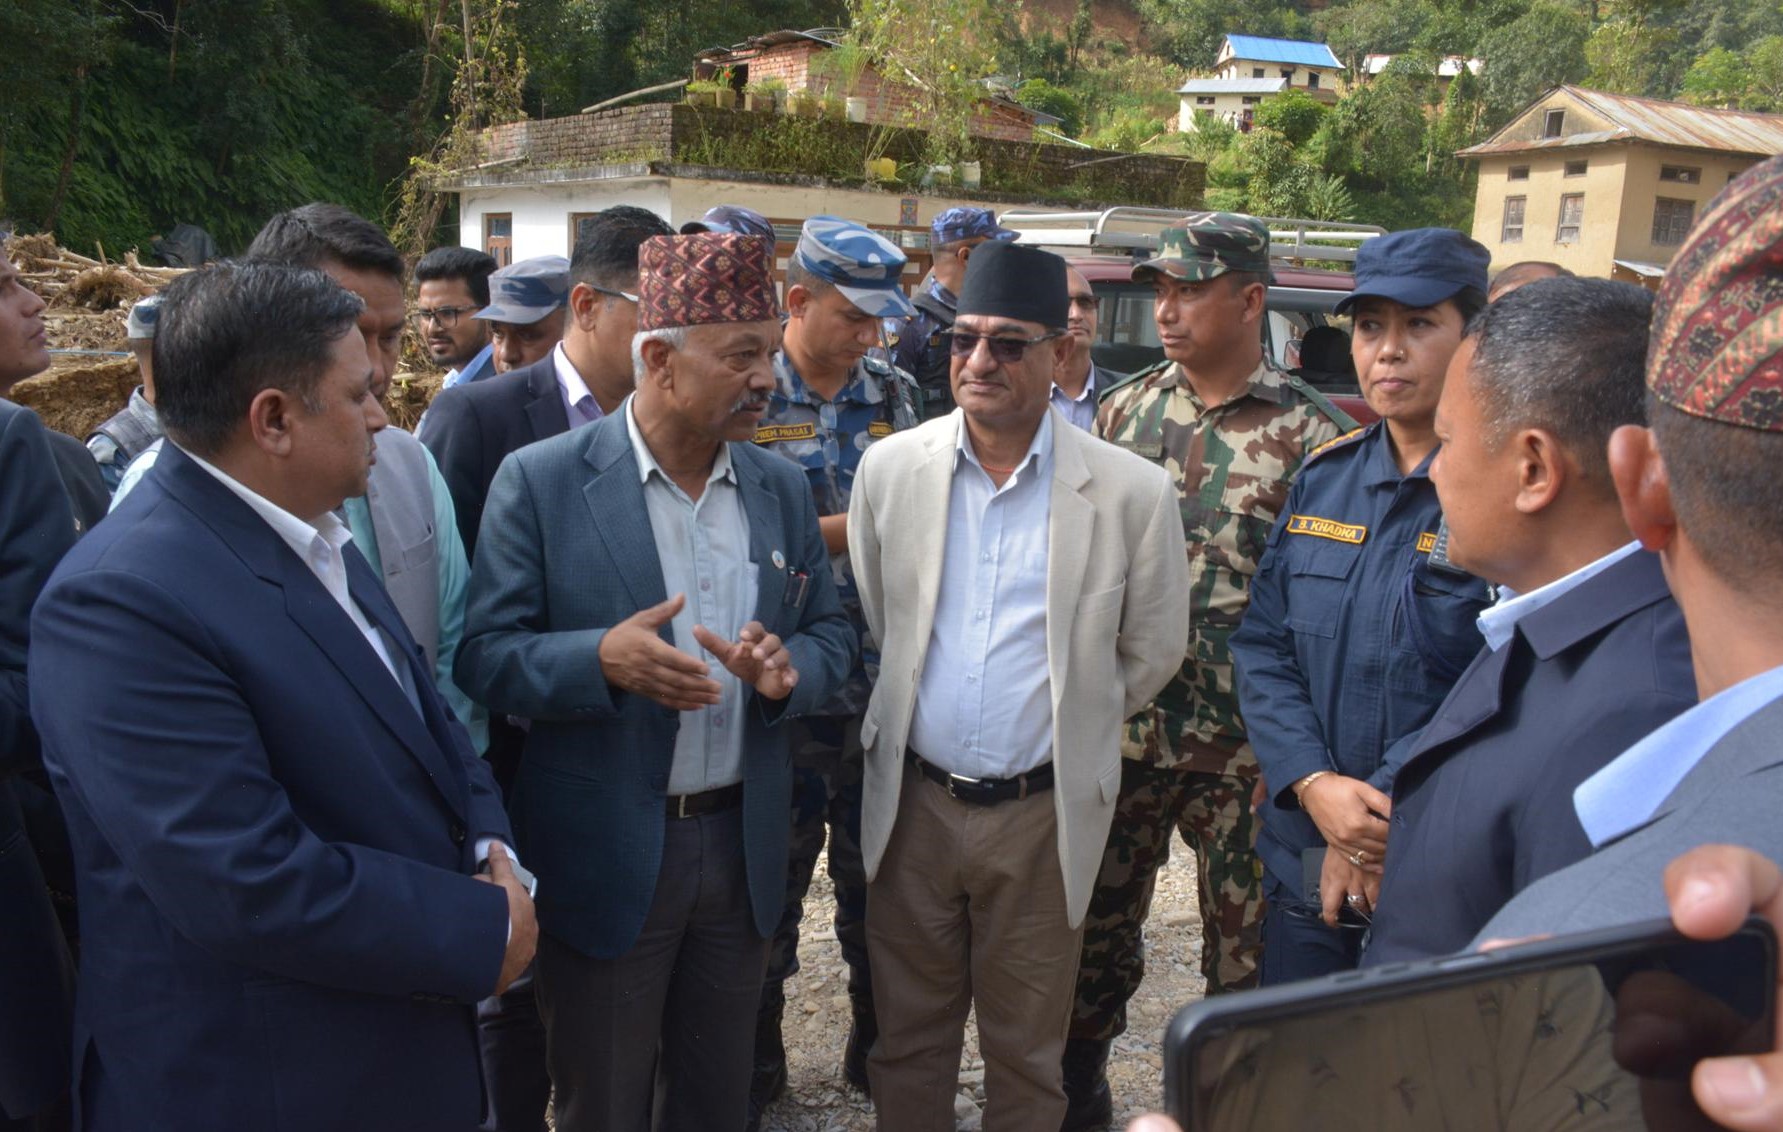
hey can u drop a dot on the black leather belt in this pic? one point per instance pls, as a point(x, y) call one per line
point(708, 802)
point(984, 791)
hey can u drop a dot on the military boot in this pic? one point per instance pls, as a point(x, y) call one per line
point(1088, 1105)
point(767, 1082)
point(862, 1033)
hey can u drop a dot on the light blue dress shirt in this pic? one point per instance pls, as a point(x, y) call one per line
point(474, 370)
point(1081, 409)
point(984, 704)
point(703, 546)
point(1632, 788)
point(1498, 623)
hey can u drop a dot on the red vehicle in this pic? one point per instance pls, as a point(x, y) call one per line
point(1299, 332)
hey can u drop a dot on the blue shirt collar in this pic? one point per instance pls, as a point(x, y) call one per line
point(1498, 623)
point(1631, 789)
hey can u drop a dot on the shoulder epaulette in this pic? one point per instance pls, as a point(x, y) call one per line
point(1148, 371)
point(1349, 437)
point(1321, 402)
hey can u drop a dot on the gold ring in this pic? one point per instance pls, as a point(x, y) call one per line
point(1356, 859)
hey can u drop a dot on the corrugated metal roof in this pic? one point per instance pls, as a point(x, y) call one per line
point(1654, 121)
point(1296, 51)
point(1232, 86)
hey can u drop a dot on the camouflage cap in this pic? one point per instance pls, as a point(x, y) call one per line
point(863, 265)
point(1207, 246)
point(1716, 347)
point(144, 316)
point(732, 218)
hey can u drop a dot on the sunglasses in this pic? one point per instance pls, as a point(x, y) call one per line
point(626, 295)
point(1005, 350)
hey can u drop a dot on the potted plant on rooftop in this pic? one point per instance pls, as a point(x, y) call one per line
point(727, 90)
point(702, 93)
point(764, 94)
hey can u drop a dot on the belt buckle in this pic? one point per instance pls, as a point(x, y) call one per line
point(960, 786)
point(681, 806)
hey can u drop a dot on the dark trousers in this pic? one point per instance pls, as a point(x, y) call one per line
point(661, 1038)
point(511, 1043)
point(1298, 945)
point(826, 797)
point(510, 1037)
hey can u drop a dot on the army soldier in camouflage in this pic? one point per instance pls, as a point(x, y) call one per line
point(1232, 430)
point(919, 343)
point(830, 403)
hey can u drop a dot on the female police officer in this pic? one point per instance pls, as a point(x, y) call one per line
point(1357, 625)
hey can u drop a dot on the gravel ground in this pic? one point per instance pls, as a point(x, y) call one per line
point(818, 1100)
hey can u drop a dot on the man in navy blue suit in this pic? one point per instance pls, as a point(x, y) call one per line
point(276, 820)
point(36, 528)
point(653, 592)
point(1586, 651)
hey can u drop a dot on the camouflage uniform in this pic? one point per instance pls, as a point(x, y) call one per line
point(1187, 764)
point(826, 439)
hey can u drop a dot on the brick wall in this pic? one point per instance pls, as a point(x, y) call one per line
point(1014, 170)
point(889, 103)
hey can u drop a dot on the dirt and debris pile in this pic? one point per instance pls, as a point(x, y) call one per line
point(88, 302)
point(79, 396)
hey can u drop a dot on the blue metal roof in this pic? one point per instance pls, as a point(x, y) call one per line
point(1295, 51)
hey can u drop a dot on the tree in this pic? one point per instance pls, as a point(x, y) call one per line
point(944, 49)
point(1295, 115)
point(1542, 48)
point(1624, 56)
point(1719, 77)
point(1038, 94)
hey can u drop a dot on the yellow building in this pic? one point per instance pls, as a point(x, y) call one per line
point(1608, 184)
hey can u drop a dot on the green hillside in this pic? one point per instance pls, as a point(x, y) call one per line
point(124, 118)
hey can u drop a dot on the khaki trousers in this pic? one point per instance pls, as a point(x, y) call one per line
point(969, 908)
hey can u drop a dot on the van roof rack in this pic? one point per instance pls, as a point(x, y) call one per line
point(1130, 230)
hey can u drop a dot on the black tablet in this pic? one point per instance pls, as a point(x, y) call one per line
point(1584, 1032)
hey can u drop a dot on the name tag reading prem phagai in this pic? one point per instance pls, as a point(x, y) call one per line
point(771, 434)
point(879, 428)
point(1326, 528)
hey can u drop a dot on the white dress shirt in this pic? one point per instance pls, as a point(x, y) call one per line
point(984, 704)
point(579, 404)
point(1498, 622)
point(703, 546)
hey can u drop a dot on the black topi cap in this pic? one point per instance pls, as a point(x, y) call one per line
point(1012, 281)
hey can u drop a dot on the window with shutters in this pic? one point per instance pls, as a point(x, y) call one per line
point(1671, 220)
point(1572, 218)
point(1512, 233)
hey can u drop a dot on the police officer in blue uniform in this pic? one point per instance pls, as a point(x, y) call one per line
point(735, 220)
point(919, 343)
point(1358, 625)
point(831, 402)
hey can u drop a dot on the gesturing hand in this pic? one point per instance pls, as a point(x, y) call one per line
point(1351, 814)
point(756, 657)
point(523, 926)
point(633, 657)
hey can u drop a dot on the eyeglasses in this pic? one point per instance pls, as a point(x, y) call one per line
point(446, 317)
point(1005, 350)
point(627, 295)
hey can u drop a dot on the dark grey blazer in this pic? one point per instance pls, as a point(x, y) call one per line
point(1731, 797)
point(568, 553)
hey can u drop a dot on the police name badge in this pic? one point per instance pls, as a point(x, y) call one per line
point(1327, 528)
point(773, 434)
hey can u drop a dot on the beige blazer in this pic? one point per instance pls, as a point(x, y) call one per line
point(1117, 616)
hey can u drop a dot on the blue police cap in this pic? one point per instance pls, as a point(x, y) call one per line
point(1419, 268)
point(524, 292)
point(863, 265)
point(143, 318)
point(733, 219)
point(963, 223)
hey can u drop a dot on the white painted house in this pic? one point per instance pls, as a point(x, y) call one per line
point(1231, 100)
point(1310, 67)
